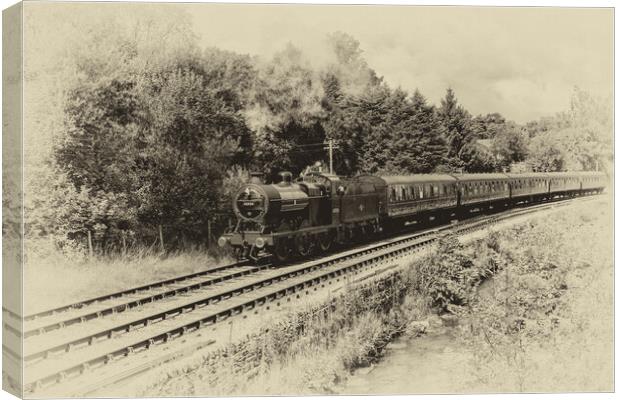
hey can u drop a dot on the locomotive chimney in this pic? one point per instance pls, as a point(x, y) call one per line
point(255, 177)
point(285, 178)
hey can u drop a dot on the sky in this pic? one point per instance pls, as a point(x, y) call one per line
point(520, 62)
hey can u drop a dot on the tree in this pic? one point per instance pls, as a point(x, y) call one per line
point(476, 158)
point(579, 139)
point(286, 112)
point(487, 126)
point(417, 144)
point(344, 125)
point(509, 144)
point(382, 109)
point(546, 153)
point(189, 137)
point(457, 123)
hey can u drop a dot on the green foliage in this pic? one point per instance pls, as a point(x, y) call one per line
point(526, 305)
point(189, 137)
point(509, 144)
point(458, 124)
point(580, 139)
point(405, 137)
point(417, 144)
point(448, 277)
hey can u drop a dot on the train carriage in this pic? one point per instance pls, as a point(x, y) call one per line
point(412, 194)
point(592, 182)
point(529, 185)
point(479, 188)
point(564, 183)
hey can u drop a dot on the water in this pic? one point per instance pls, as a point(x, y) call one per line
point(433, 363)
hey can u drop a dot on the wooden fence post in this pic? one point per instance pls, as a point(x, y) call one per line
point(124, 243)
point(208, 232)
point(90, 244)
point(161, 239)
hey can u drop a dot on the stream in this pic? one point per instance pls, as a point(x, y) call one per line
point(432, 363)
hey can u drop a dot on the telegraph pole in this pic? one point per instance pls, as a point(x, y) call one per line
point(330, 146)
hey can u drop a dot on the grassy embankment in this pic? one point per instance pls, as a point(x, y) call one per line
point(52, 278)
point(550, 300)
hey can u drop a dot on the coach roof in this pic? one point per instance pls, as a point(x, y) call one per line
point(529, 175)
point(479, 177)
point(418, 178)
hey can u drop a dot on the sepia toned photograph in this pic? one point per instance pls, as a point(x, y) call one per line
point(217, 199)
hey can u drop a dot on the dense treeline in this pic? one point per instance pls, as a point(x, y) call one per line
point(149, 136)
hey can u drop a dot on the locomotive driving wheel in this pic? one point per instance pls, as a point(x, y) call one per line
point(325, 241)
point(303, 244)
point(282, 250)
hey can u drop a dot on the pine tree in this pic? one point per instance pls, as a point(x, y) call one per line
point(417, 144)
point(457, 122)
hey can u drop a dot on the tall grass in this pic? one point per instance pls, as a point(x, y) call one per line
point(53, 278)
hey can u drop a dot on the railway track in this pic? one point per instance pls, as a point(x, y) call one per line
point(70, 341)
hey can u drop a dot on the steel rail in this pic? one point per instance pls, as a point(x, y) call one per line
point(148, 298)
point(124, 292)
point(364, 258)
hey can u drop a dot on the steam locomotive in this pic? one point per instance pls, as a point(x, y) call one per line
point(294, 219)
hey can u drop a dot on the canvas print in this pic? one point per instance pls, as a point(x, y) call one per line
point(285, 199)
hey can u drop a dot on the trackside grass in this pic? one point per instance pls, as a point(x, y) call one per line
point(54, 279)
